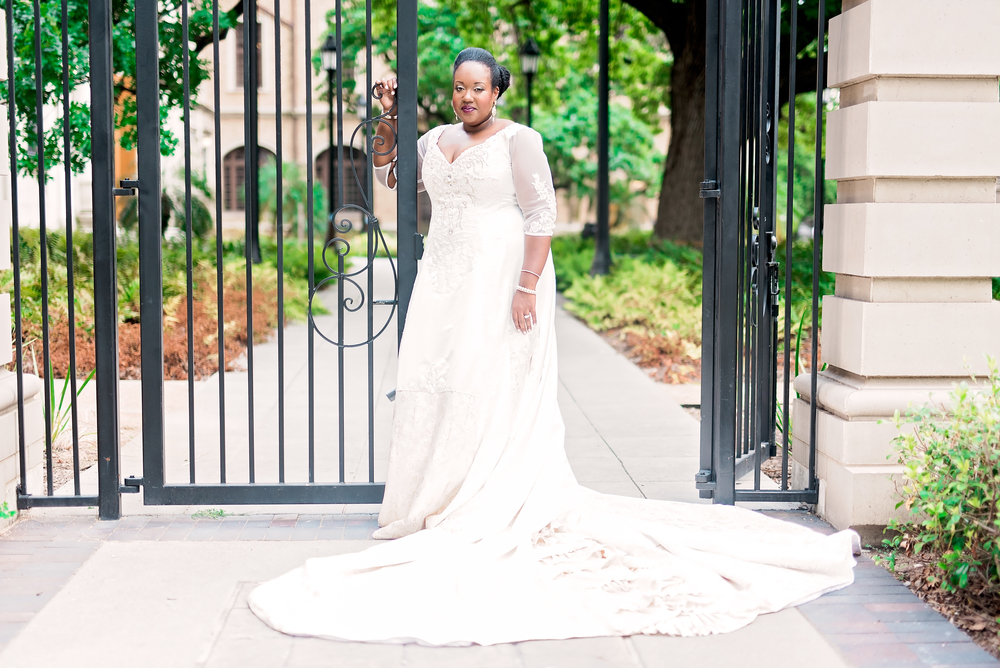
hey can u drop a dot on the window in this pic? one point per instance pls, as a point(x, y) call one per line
point(239, 56)
point(352, 193)
point(234, 176)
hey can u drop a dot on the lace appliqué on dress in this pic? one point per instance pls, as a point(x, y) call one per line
point(544, 223)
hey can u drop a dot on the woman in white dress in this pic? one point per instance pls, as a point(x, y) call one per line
point(497, 542)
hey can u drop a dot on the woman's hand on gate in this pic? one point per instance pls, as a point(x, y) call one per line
point(387, 88)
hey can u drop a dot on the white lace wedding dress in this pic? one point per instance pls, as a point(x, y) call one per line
point(496, 541)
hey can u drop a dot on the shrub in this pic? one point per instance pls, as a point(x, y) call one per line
point(951, 473)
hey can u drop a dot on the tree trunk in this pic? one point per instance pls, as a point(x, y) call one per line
point(681, 213)
point(680, 216)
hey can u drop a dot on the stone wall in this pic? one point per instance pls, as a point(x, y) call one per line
point(913, 238)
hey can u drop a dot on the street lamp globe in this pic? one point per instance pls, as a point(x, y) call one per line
point(529, 57)
point(328, 53)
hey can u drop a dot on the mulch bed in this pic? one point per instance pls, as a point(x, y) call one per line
point(175, 337)
point(657, 355)
point(974, 612)
point(175, 356)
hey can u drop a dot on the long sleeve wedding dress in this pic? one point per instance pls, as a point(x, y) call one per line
point(496, 541)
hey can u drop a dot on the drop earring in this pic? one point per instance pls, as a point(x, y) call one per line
point(494, 111)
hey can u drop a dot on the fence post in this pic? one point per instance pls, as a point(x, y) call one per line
point(406, 144)
point(105, 263)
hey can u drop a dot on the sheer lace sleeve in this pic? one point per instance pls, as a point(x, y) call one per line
point(533, 183)
point(382, 173)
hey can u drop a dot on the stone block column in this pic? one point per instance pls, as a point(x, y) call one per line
point(914, 237)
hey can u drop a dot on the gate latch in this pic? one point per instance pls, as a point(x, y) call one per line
point(709, 190)
point(127, 189)
point(131, 486)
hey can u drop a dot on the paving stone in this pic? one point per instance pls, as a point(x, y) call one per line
point(579, 653)
point(319, 653)
point(927, 631)
point(24, 602)
point(494, 656)
point(252, 533)
point(938, 654)
point(278, 532)
point(880, 654)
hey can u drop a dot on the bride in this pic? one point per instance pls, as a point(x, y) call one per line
point(495, 540)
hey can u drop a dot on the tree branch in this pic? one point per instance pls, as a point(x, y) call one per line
point(206, 40)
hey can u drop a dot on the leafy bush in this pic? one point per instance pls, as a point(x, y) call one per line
point(656, 301)
point(951, 488)
point(653, 290)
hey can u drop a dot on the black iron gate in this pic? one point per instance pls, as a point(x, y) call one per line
point(747, 401)
point(285, 462)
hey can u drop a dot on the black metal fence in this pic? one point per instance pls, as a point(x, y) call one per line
point(748, 287)
point(234, 476)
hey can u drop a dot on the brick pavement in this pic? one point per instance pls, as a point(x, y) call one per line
point(875, 622)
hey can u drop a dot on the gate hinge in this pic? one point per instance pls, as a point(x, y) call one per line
point(418, 245)
point(709, 190)
point(127, 189)
point(131, 486)
point(703, 480)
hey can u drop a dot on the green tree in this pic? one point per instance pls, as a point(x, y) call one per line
point(123, 18)
point(564, 101)
point(683, 24)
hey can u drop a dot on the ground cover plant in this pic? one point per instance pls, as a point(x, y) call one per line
point(649, 305)
point(947, 547)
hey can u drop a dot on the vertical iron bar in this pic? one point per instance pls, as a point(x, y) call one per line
point(71, 305)
point(726, 370)
point(370, 229)
point(250, 159)
point(15, 247)
point(818, 193)
point(188, 234)
point(602, 240)
point(102, 115)
point(340, 362)
point(252, 194)
point(789, 229)
point(708, 288)
point(406, 143)
point(219, 189)
point(46, 371)
point(309, 240)
point(147, 60)
point(340, 258)
point(279, 223)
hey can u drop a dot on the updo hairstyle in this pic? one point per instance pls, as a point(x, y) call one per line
point(500, 75)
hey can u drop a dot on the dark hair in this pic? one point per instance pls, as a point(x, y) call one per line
point(500, 75)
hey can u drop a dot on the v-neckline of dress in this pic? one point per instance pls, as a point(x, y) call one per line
point(458, 157)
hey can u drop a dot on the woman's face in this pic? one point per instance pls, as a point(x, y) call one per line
point(473, 95)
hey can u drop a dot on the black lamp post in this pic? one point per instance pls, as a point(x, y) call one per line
point(602, 241)
point(328, 54)
point(529, 67)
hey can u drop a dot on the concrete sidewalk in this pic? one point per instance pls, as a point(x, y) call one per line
point(163, 588)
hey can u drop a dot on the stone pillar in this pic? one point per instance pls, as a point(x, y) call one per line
point(913, 238)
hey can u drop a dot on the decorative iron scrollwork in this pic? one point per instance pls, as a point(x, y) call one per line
point(341, 247)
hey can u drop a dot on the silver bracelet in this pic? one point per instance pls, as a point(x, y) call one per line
point(390, 118)
point(528, 271)
point(525, 290)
